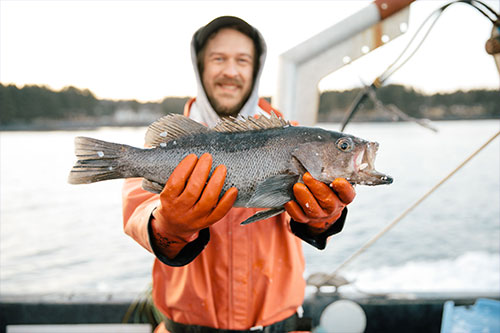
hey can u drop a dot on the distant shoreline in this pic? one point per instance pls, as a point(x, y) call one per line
point(38, 108)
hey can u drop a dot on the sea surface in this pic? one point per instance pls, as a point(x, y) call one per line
point(57, 238)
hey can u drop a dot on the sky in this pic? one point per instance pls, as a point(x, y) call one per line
point(140, 49)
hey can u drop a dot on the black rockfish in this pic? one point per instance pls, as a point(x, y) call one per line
point(264, 157)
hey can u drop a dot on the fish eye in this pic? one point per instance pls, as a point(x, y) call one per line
point(345, 144)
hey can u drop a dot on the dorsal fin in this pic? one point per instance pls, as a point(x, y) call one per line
point(250, 124)
point(170, 127)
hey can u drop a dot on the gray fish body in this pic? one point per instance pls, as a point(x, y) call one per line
point(262, 163)
point(251, 158)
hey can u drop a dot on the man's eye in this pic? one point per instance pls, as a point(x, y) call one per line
point(243, 61)
point(218, 59)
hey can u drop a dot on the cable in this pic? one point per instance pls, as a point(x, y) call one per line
point(438, 12)
point(387, 73)
point(497, 16)
point(392, 68)
point(487, 7)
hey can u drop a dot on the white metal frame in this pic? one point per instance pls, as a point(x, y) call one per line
point(302, 67)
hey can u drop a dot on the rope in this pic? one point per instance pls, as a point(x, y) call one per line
point(437, 14)
point(408, 210)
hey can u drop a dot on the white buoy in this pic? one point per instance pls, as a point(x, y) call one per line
point(342, 316)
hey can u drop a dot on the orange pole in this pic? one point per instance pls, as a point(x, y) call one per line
point(388, 7)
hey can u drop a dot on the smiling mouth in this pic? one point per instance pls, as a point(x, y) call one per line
point(228, 87)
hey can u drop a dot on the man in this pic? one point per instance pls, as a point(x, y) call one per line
point(210, 273)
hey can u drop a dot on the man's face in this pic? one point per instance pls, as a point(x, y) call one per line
point(228, 70)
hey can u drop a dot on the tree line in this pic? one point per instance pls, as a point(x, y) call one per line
point(473, 104)
point(33, 104)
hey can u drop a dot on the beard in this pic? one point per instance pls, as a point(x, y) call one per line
point(227, 111)
point(224, 110)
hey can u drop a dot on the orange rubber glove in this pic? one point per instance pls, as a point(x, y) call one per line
point(318, 205)
point(188, 203)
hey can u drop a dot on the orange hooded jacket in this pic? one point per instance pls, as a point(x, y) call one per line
point(231, 276)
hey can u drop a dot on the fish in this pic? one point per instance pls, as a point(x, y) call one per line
point(264, 157)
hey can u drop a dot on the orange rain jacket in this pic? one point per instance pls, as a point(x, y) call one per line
point(231, 276)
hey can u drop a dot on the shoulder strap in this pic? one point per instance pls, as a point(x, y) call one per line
point(264, 105)
point(187, 106)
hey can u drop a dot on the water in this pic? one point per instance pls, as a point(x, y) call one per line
point(57, 238)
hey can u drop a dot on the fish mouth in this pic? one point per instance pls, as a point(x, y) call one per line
point(364, 168)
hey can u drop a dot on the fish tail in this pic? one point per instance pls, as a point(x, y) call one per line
point(97, 160)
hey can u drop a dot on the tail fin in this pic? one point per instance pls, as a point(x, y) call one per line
point(97, 160)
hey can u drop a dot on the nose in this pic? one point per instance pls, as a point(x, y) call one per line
point(230, 69)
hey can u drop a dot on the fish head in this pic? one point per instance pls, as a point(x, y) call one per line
point(362, 165)
point(340, 155)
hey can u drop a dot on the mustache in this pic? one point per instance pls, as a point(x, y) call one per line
point(227, 80)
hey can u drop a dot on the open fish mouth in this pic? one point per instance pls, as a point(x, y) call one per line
point(364, 168)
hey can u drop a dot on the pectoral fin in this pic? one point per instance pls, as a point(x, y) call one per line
point(273, 192)
point(263, 214)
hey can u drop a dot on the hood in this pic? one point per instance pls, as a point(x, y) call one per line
point(202, 110)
